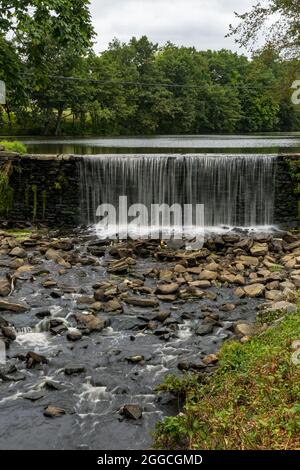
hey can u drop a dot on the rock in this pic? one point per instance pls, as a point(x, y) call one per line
point(167, 289)
point(62, 244)
point(254, 290)
point(33, 359)
point(244, 329)
point(52, 255)
point(208, 275)
point(13, 307)
point(259, 249)
point(283, 306)
point(4, 287)
point(274, 295)
point(179, 268)
point(210, 359)
point(53, 412)
point(33, 395)
point(135, 359)
point(290, 295)
point(141, 301)
point(205, 329)
point(72, 369)
point(248, 260)
point(228, 307)
point(200, 284)
point(167, 298)
point(132, 411)
point(91, 322)
point(162, 316)
point(212, 266)
point(113, 306)
point(9, 332)
point(74, 335)
point(49, 283)
point(18, 252)
point(239, 292)
point(295, 345)
point(227, 277)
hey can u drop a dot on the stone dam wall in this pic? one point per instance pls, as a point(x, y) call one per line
point(45, 189)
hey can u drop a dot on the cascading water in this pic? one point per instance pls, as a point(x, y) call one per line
point(236, 190)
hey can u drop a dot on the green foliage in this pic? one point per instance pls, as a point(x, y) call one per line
point(251, 402)
point(14, 146)
point(6, 191)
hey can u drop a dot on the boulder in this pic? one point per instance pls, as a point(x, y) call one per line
point(208, 275)
point(283, 306)
point(248, 260)
point(18, 252)
point(113, 306)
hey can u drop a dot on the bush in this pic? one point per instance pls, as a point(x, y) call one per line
point(14, 146)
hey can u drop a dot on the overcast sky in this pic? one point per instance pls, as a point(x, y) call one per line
point(199, 23)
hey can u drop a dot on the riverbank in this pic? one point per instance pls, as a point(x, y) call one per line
point(251, 402)
point(93, 327)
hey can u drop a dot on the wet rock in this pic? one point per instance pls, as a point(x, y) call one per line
point(254, 290)
point(4, 287)
point(141, 301)
point(72, 369)
point(53, 412)
point(33, 359)
point(49, 283)
point(13, 307)
point(62, 244)
point(59, 329)
point(162, 316)
point(132, 412)
point(85, 300)
point(179, 268)
point(52, 255)
point(91, 322)
point(204, 329)
point(259, 249)
point(244, 329)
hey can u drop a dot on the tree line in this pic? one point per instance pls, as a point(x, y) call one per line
point(57, 84)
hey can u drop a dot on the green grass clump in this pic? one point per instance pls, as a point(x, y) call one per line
point(14, 146)
point(19, 234)
point(251, 402)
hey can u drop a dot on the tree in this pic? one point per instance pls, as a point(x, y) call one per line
point(278, 21)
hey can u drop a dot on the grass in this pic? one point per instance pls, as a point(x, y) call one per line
point(14, 146)
point(251, 402)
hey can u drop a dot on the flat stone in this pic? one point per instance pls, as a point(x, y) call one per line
point(208, 275)
point(91, 322)
point(248, 260)
point(283, 306)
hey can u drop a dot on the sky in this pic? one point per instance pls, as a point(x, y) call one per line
point(199, 23)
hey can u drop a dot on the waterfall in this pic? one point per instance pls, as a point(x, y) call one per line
point(236, 190)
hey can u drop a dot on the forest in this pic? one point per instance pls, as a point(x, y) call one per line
point(58, 85)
